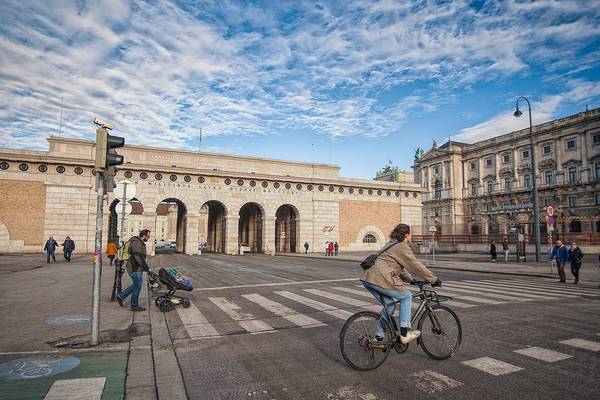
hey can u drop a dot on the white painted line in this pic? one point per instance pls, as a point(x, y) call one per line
point(432, 382)
point(246, 320)
point(485, 288)
point(568, 287)
point(473, 299)
point(195, 322)
point(275, 284)
point(279, 309)
point(449, 302)
point(341, 314)
point(563, 290)
point(76, 389)
point(340, 298)
point(582, 344)
point(492, 366)
point(366, 293)
point(486, 294)
point(529, 289)
point(543, 354)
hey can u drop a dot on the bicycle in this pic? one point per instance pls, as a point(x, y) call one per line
point(441, 332)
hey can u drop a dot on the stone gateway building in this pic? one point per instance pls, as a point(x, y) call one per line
point(228, 202)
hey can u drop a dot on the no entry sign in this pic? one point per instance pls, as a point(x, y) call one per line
point(550, 211)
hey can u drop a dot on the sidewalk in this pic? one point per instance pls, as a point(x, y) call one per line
point(475, 262)
point(52, 303)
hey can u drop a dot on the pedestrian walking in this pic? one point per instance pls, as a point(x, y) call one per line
point(305, 247)
point(336, 247)
point(68, 248)
point(560, 255)
point(575, 257)
point(493, 251)
point(330, 248)
point(135, 266)
point(50, 248)
point(326, 248)
point(505, 249)
point(111, 251)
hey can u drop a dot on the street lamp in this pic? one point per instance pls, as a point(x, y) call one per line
point(536, 217)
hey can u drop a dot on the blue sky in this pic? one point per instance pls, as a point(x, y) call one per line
point(353, 83)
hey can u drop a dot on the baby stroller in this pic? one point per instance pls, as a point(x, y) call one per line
point(173, 282)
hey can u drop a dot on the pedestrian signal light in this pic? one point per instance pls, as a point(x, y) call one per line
point(106, 156)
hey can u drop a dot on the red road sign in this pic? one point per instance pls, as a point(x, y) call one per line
point(550, 211)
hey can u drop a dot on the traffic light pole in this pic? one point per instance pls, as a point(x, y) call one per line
point(97, 269)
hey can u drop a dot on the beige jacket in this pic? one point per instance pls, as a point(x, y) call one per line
point(393, 268)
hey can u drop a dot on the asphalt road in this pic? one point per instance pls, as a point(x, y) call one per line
point(264, 327)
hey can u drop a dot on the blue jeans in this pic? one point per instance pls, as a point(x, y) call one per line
point(387, 298)
point(134, 289)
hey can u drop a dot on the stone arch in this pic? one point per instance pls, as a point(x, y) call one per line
point(114, 221)
point(212, 226)
point(251, 227)
point(287, 225)
point(171, 214)
point(4, 235)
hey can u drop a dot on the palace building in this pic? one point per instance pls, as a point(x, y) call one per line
point(230, 203)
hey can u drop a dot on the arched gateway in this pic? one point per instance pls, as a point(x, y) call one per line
point(198, 201)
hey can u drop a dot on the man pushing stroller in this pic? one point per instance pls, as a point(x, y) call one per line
point(133, 254)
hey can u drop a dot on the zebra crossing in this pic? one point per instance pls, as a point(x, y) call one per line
point(298, 306)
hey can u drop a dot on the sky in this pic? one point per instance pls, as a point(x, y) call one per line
point(354, 83)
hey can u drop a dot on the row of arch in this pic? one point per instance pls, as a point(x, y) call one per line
point(212, 232)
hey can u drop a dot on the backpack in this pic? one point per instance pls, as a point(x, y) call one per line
point(370, 260)
point(123, 253)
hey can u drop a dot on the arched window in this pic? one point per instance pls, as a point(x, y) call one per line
point(369, 238)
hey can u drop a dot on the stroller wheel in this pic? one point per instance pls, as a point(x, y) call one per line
point(158, 300)
point(165, 305)
point(185, 303)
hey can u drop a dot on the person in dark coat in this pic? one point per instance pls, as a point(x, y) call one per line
point(135, 266)
point(336, 247)
point(560, 255)
point(305, 247)
point(50, 248)
point(575, 256)
point(493, 251)
point(68, 248)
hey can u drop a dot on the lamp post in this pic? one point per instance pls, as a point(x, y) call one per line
point(536, 217)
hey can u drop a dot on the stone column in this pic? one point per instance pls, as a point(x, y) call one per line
point(149, 222)
point(231, 234)
point(191, 234)
point(269, 235)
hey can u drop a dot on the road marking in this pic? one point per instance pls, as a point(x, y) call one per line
point(582, 344)
point(347, 300)
point(287, 313)
point(492, 366)
point(562, 289)
point(195, 322)
point(513, 291)
point(482, 293)
point(246, 320)
point(528, 288)
point(471, 298)
point(365, 293)
point(449, 302)
point(431, 382)
point(575, 289)
point(76, 389)
point(336, 312)
point(543, 354)
point(275, 284)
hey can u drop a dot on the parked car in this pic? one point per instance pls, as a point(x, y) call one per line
point(159, 244)
point(172, 244)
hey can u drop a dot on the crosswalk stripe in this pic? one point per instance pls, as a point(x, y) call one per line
point(471, 298)
point(562, 288)
point(246, 320)
point(346, 300)
point(543, 354)
point(195, 322)
point(512, 291)
point(582, 344)
point(492, 366)
point(452, 303)
point(365, 293)
point(484, 293)
point(341, 314)
point(530, 289)
point(431, 381)
point(279, 309)
point(76, 389)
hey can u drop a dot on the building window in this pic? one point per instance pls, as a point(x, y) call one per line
point(173, 177)
point(507, 183)
point(79, 170)
point(438, 189)
point(299, 186)
point(60, 169)
point(128, 174)
point(575, 226)
point(549, 201)
point(158, 176)
point(490, 186)
point(547, 149)
point(571, 144)
point(23, 167)
point(549, 178)
point(4, 165)
point(596, 138)
point(201, 179)
point(598, 199)
point(572, 201)
point(42, 168)
point(573, 174)
point(488, 162)
point(473, 190)
point(331, 188)
point(276, 185)
point(369, 238)
point(320, 188)
point(525, 154)
point(506, 158)
point(473, 210)
point(310, 188)
point(436, 212)
point(598, 171)
point(527, 180)
point(360, 191)
point(436, 170)
point(379, 192)
point(144, 175)
point(489, 207)
point(187, 178)
point(240, 182)
point(472, 166)
point(264, 184)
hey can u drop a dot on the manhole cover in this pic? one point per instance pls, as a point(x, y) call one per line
point(69, 320)
point(37, 367)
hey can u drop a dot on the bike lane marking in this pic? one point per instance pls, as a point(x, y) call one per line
point(492, 366)
point(76, 389)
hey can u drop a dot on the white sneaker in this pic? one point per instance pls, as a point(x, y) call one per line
point(410, 337)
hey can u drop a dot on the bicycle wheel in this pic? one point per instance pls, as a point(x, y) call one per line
point(359, 347)
point(441, 333)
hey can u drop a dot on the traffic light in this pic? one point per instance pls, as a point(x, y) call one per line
point(109, 179)
point(106, 156)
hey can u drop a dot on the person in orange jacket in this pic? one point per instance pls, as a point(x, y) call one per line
point(111, 251)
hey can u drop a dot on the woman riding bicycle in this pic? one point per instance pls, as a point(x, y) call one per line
point(387, 280)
